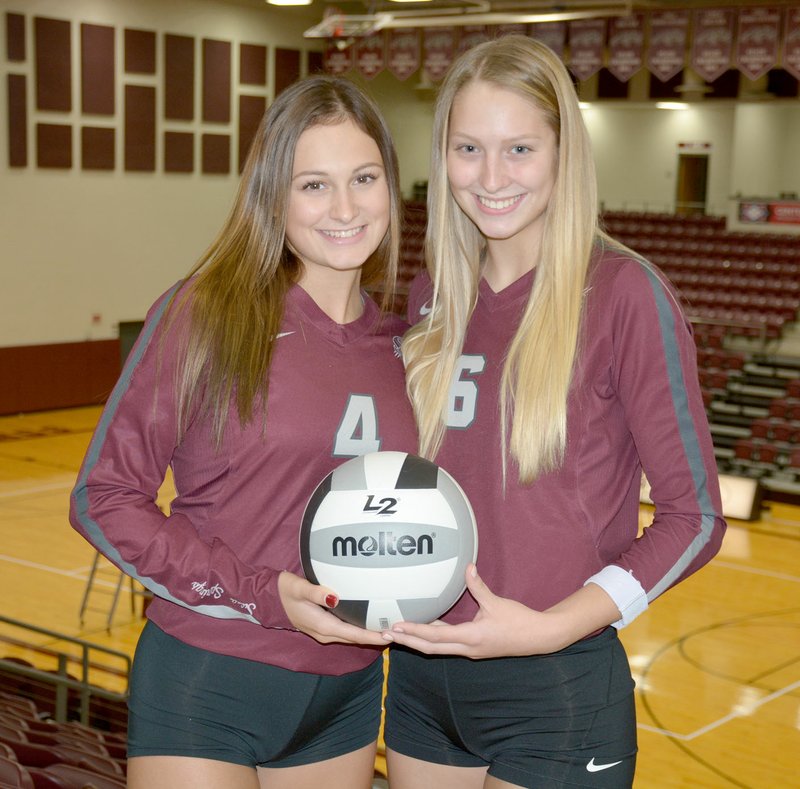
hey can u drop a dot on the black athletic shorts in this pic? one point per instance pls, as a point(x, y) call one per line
point(546, 721)
point(186, 701)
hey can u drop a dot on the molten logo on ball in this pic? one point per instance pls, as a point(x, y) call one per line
point(391, 534)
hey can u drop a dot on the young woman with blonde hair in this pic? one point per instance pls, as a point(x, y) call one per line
point(548, 366)
point(252, 379)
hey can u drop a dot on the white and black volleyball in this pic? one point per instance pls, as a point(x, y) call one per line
point(392, 534)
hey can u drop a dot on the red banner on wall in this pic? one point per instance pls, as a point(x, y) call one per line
point(791, 42)
point(757, 46)
point(371, 54)
point(338, 61)
point(625, 46)
point(403, 55)
point(438, 48)
point(518, 28)
point(777, 213)
point(586, 38)
point(712, 45)
point(471, 36)
point(554, 34)
point(668, 33)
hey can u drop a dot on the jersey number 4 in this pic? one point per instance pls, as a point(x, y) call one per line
point(358, 430)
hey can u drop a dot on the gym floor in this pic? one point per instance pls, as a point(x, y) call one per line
point(716, 660)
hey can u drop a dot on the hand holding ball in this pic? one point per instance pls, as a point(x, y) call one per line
point(392, 534)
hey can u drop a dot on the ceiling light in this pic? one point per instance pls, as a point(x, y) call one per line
point(288, 2)
point(672, 105)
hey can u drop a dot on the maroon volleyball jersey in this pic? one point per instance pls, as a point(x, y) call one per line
point(634, 404)
point(336, 391)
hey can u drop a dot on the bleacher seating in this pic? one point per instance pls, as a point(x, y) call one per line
point(37, 753)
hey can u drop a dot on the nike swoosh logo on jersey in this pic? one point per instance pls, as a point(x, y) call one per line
point(283, 334)
point(595, 768)
point(425, 308)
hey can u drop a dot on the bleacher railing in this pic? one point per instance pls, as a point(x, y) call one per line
point(92, 659)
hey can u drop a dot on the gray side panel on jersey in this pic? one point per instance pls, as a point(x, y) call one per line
point(688, 433)
point(93, 529)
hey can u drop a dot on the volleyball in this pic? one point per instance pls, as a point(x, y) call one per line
point(392, 534)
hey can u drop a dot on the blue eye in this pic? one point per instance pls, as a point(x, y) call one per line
point(521, 149)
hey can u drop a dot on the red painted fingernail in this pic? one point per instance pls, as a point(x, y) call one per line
point(331, 600)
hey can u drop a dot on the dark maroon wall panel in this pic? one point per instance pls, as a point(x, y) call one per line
point(53, 61)
point(140, 51)
point(252, 64)
point(140, 128)
point(97, 148)
point(178, 152)
point(287, 68)
point(216, 81)
point(216, 154)
point(15, 37)
point(251, 108)
point(97, 69)
point(17, 121)
point(40, 377)
point(316, 63)
point(178, 78)
point(53, 145)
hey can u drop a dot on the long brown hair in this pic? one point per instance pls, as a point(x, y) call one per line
point(236, 294)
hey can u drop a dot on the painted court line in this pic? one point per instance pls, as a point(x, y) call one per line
point(723, 720)
point(756, 571)
point(10, 494)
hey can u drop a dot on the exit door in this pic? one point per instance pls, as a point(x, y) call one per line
point(690, 196)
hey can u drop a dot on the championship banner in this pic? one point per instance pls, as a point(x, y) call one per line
point(403, 55)
point(791, 42)
point(438, 51)
point(625, 46)
point(554, 34)
point(586, 37)
point(471, 36)
point(777, 213)
point(338, 61)
point(518, 28)
point(759, 34)
point(712, 45)
point(668, 32)
point(370, 54)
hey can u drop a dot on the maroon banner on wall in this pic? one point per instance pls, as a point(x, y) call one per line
point(757, 47)
point(625, 46)
point(791, 42)
point(554, 34)
point(471, 36)
point(586, 37)
point(712, 47)
point(403, 52)
point(338, 61)
point(513, 28)
point(438, 48)
point(371, 54)
point(668, 32)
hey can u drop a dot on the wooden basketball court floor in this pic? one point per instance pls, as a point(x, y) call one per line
point(716, 660)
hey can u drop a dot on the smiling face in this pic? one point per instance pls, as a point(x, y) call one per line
point(339, 207)
point(501, 164)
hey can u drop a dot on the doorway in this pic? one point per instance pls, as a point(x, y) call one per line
point(690, 195)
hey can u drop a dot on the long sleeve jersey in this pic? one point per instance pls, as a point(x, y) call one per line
point(335, 392)
point(634, 404)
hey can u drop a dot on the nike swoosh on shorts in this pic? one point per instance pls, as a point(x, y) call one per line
point(283, 334)
point(595, 768)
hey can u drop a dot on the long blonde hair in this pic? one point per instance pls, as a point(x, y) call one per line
point(538, 368)
point(236, 295)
